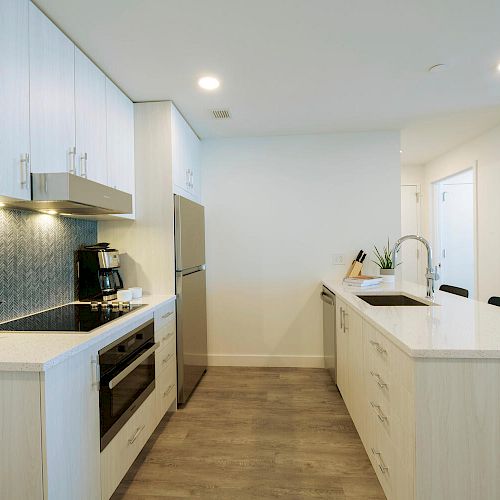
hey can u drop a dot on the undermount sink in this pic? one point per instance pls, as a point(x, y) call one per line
point(391, 300)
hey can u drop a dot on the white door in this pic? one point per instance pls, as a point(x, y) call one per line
point(14, 99)
point(90, 114)
point(409, 255)
point(456, 228)
point(52, 96)
point(120, 139)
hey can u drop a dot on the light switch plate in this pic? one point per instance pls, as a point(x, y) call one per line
point(338, 259)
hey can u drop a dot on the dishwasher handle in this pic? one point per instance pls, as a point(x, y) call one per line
point(327, 298)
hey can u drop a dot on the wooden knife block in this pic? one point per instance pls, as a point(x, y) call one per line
point(355, 269)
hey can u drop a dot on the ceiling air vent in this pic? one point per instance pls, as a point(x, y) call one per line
point(220, 114)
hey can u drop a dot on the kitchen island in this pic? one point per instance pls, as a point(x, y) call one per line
point(49, 407)
point(422, 384)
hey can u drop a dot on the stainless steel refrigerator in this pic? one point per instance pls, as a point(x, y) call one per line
point(190, 288)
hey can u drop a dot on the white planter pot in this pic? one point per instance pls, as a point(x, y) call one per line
point(389, 275)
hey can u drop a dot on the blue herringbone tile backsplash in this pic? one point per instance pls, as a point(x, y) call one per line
point(37, 260)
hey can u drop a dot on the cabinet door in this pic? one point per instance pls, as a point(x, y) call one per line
point(354, 328)
point(14, 99)
point(185, 157)
point(90, 114)
point(71, 428)
point(52, 96)
point(342, 350)
point(120, 139)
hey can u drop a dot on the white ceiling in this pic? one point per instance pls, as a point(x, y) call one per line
point(426, 138)
point(298, 66)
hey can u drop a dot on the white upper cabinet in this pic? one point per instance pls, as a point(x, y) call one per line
point(14, 99)
point(90, 112)
point(120, 139)
point(186, 158)
point(52, 96)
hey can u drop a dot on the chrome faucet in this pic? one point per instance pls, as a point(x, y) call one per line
point(431, 274)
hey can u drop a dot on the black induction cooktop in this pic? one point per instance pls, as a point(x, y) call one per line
point(81, 318)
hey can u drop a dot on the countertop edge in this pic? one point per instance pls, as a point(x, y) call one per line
point(419, 354)
point(109, 333)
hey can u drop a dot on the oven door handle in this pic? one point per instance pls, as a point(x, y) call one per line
point(130, 368)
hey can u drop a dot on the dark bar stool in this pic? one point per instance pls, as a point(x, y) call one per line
point(494, 301)
point(455, 290)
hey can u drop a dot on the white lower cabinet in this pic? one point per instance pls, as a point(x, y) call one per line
point(49, 432)
point(378, 395)
point(121, 452)
point(430, 426)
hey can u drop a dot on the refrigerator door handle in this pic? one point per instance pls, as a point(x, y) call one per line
point(186, 272)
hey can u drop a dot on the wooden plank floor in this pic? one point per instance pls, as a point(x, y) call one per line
point(256, 433)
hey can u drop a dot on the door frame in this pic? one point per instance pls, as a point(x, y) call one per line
point(419, 226)
point(435, 218)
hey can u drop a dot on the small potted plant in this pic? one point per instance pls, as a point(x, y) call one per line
point(384, 261)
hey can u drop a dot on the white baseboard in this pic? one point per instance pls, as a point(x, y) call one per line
point(272, 360)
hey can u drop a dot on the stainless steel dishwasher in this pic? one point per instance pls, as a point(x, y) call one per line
point(329, 334)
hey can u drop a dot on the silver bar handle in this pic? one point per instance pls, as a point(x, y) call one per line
point(24, 164)
point(378, 410)
point(326, 298)
point(342, 318)
point(96, 372)
point(71, 160)
point(167, 359)
point(380, 380)
point(165, 316)
point(168, 389)
point(83, 165)
point(130, 368)
point(378, 347)
point(381, 465)
point(136, 434)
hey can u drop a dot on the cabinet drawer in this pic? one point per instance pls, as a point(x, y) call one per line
point(166, 389)
point(165, 355)
point(164, 314)
point(377, 350)
point(383, 457)
point(166, 333)
point(121, 452)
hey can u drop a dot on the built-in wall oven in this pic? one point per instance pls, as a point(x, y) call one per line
point(127, 377)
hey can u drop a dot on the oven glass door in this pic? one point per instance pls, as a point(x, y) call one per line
point(118, 401)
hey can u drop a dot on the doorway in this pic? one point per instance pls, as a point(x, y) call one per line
point(410, 224)
point(455, 229)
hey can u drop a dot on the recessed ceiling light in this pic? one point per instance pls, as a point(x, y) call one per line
point(2, 204)
point(209, 83)
point(498, 67)
point(437, 68)
point(400, 151)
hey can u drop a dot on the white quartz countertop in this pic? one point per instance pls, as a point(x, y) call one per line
point(37, 352)
point(455, 327)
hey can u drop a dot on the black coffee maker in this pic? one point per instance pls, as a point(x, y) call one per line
point(97, 272)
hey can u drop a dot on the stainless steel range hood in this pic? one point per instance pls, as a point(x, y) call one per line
point(75, 195)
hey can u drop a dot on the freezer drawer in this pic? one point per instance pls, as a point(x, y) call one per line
point(191, 331)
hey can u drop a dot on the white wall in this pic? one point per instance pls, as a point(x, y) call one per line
point(412, 174)
point(484, 152)
point(277, 209)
